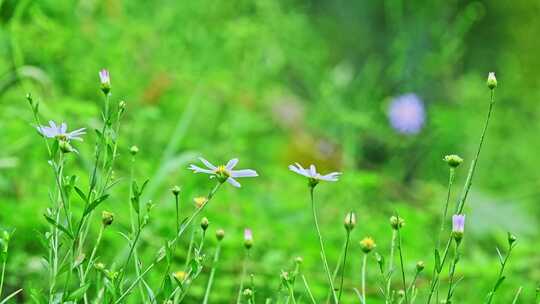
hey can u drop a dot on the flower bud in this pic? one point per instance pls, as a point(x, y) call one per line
point(248, 238)
point(204, 223)
point(248, 293)
point(298, 260)
point(453, 160)
point(401, 293)
point(511, 239)
point(458, 227)
point(491, 81)
point(99, 266)
point(200, 201)
point(121, 106)
point(175, 190)
point(396, 222)
point(350, 221)
point(367, 244)
point(107, 218)
point(420, 266)
point(220, 234)
point(105, 80)
point(134, 150)
point(180, 276)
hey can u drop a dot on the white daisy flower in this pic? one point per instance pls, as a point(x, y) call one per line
point(313, 175)
point(224, 173)
point(60, 132)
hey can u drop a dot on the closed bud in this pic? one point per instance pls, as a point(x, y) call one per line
point(107, 218)
point(367, 244)
point(220, 234)
point(401, 293)
point(396, 222)
point(491, 81)
point(420, 266)
point(134, 150)
point(175, 190)
point(105, 81)
point(350, 221)
point(99, 266)
point(204, 223)
point(298, 260)
point(248, 238)
point(248, 293)
point(453, 160)
point(511, 239)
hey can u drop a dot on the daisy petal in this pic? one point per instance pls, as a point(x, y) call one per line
point(300, 170)
point(312, 171)
point(233, 182)
point(231, 163)
point(244, 173)
point(197, 169)
point(207, 163)
point(63, 128)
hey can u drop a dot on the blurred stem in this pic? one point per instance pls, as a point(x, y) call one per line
point(344, 263)
point(500, 278)
point(244, 270)
point(3, 273)
point(401, 262)
point(176, 201)
point(364, 266)
point(412, 284)
point(93, 254)
point(308, 290)
point(445, 212)
point(518, 292)
point(336, 271)
point(472, 168)
point(321, 243)
point(391, 266)
point(437, 272)
point(212, 273)
point(452, 272)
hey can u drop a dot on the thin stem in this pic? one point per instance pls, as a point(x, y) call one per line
point(364, 266)
point(468, 182)
point(3, 274)
point(321, 243)
point(212, 274)
point(177, 212)
point(94, 251)
point(445, 212)
point(452, 272)
point(244, 270)
point(391, 266)
point(500, 277)
point(344, 263)
point(517, 295)
point(336, 271)
point(436, 272)
point(308, 290)
point(401, 262)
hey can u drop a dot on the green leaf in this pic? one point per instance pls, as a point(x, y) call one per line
point(78, 293)
point(499, 282)
point(81, 194)
point(501, 259)
point(58, 225)
point(438, 265)
point(94, 204)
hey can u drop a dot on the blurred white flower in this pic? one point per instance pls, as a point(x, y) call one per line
point(407, 114)
point(224, 173)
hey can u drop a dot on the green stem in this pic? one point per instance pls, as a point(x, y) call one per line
point(244, 270)
point(401, 262)
point(390, 266)
point(500, 277)
point(472, 168)
point(212, 274)
point(344, 263)
point(364, 266)
point(308, 290)
point(3, 274)
point(321, 243)
point(447, 203)
point(518, 292)
point(451, 274)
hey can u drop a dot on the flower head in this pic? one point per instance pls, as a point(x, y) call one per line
point(224, 173)
point(105, 80)
point(491, 81)
point(60, 132)
point(458, 226)
point(200, 200)
point(312, 174)
point(453, 160)
point(248, 238)
point(350, 221)
point(367, 244)
point(407, 114)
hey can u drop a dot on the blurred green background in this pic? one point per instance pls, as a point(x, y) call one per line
point(275, 82)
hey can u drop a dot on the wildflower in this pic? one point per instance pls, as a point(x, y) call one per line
point(107, 218)
point(175, 190)
point(224, 173)
point(105, 80)
point(420, 266)
point(99, 266)
point(453, 160)
point(396, 222)
point(180, 275)
point(367, 244)
point(134, 150)
point(407, 114)
point(458, 226)
point(60, 132)
point(248, 293)
point(491, 81)
point(350, 221)
point(220, 234)
point(248, 238)
point(312, 175)
point(200, 200)
point(204, 223)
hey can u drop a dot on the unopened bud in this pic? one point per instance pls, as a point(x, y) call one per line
point(453, 160)
point(248, 238)
point(420, 266)
point(175, 190)
point(396, 222)
point(247, 293)
point(99, 266)
point(367, 244)
point(350, 221)
point(491, 81)
point(220, 234)
point(204, 223)
point(511, 239)
point(134, 150)
point(299, 260)
point(107, 218)
point(65, 146)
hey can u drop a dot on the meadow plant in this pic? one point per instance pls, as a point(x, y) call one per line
point(76, 273)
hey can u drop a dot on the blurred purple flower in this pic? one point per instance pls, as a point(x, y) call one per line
point(248, 235)
point(224, 172)
point(311, 173)
point(407, 114)
point(458, 223)
point(60, 132)
point(104, 77)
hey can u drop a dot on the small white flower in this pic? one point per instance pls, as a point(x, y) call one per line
point(60, 132)
point(312, 174)
point(224, 173)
